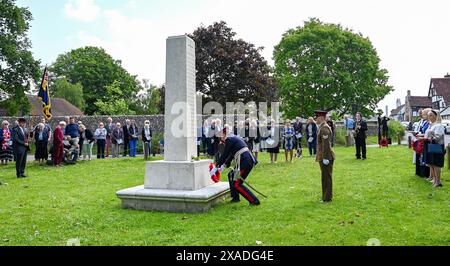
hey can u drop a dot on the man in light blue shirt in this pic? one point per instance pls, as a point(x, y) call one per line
point(349, 125)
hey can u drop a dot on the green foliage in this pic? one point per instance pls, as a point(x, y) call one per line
point(95, 70)
point(148, 101)
point(396, 129)
point(115, 102)
point(230, 69)
point(324, 66)
point(386, 202)
point(73, 93)
point(339, 138)
point(336, 116)
point(18, 69)
point(155, 142)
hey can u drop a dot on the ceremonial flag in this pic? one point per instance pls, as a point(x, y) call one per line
point(44, 96)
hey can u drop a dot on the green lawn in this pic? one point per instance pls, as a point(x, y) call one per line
point(378, 198)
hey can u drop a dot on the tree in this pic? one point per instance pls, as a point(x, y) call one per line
point(115, 103)
point(148, 100)
point(162, 103)
point(95, 70)
point(18, 69)
point(73, 93)
point(324, 66)
point(230, 69)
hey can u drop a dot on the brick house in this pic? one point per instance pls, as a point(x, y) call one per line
point(413, 104)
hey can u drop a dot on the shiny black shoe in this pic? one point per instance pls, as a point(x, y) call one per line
point(235, 201)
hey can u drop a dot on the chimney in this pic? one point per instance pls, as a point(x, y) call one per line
point(399, 103)
point(409, 93)
point(447, 76)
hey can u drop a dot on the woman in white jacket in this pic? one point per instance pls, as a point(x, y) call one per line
point(435, 136)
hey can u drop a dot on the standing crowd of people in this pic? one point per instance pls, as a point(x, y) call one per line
point(429, 146)
point(71, 137)
point(265, 136)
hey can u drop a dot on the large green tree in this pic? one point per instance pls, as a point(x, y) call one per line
point(95, 70)
point(148, 100)
point(18, 69)
point(230, 69)
point(115, 102)
point(325, 66)
point(73, 93)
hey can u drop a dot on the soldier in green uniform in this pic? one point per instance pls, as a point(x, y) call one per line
point(325, 155)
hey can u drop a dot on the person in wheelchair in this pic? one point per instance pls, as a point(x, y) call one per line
point(71, 149)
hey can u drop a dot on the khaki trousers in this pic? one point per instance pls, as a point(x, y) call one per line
point(327, 181)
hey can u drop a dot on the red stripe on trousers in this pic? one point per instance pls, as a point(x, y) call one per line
point(247, 196)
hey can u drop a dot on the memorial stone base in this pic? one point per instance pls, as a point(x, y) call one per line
point(175, 187)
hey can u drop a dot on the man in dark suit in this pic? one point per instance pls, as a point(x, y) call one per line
point(21, 147)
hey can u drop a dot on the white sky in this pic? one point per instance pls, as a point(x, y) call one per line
point(411, 37)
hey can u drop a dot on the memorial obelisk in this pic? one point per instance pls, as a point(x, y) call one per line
point(178, 183)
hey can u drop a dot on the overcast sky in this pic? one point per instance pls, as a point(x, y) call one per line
point(412, 37)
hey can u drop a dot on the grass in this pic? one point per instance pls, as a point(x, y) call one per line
point(378, 198)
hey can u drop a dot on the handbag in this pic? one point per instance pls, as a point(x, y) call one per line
point(270, 141)
point(435, 149)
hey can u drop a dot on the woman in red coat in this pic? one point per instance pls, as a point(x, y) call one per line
point(58, 146)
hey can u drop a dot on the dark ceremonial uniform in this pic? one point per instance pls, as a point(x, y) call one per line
point(385, 127)
point(236, 149)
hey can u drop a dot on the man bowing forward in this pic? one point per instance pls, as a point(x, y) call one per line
point(325, 155)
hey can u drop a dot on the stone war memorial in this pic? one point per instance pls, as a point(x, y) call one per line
point(178, 183)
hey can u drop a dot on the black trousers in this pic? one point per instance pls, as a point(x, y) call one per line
point(298, 143)
point(237, 186)
point(126, 148)
point(21, 162)
point(101, 143)
point(361, 148)
point(385, 132)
